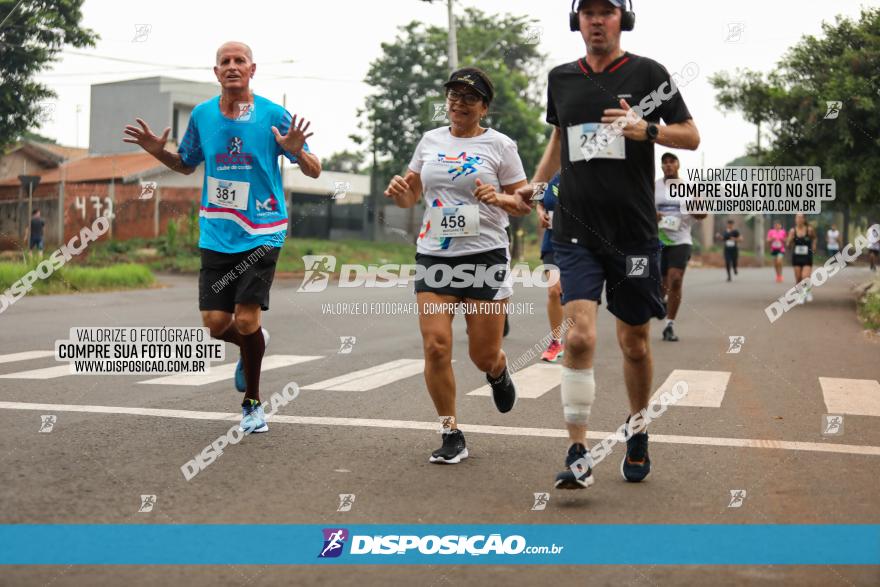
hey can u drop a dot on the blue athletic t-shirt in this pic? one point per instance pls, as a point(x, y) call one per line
point(243, 204)
point(551, 194)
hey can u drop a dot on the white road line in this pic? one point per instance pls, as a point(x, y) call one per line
point(705, 388)
point(860, 397)
point(47, 373)
point(226, 372)
point(532, 382)
point(367, 379)
point(822, 447)
point(25, 356)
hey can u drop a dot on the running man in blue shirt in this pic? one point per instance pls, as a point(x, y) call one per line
point(243, 215)
point(546, 208)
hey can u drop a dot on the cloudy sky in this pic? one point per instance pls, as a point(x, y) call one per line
point(318, 52)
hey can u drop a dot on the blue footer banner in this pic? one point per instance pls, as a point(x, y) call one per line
point(484, 544)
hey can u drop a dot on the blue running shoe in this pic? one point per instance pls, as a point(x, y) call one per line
point(240, 382)
point(253, 418)
point(579, 469)
point(636, 465)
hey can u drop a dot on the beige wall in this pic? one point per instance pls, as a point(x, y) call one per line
point(18, 163)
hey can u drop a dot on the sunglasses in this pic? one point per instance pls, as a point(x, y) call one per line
point(468, 98)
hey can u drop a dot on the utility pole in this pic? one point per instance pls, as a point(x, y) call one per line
point(375, 200)
point(78, 110)
point(453, 39)
point(452, 49)
point(759, 218)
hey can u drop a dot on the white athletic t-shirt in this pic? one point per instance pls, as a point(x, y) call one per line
point(833, 236)
point(449, 167)
point(676, 228)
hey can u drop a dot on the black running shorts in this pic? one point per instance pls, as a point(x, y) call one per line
point(490, 282)
point(675, 256)
point(227, 279)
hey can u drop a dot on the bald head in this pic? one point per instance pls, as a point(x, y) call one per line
point(235, 46)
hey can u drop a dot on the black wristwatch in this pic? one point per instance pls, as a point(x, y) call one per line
point(652, 131)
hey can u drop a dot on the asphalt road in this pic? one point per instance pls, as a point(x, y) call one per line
point(374, 443)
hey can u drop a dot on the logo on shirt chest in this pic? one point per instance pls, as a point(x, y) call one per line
point(266, 207)
point(463, 164)
point(235, 156)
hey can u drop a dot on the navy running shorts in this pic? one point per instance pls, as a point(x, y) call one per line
point(631, 277)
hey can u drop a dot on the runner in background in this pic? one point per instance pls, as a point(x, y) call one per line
point(776, 240)
point(674, 231)
point(730, 238)
point(874, 254)
point(802, 238)
point(832, 240)
point(546, 208)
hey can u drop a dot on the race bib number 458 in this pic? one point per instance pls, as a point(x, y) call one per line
point(593, 140)
point(227, 193)
point(451, 221)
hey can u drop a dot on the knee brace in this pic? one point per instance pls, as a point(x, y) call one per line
point(578, 393)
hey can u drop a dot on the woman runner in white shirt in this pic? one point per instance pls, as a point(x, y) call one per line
point(468, 175)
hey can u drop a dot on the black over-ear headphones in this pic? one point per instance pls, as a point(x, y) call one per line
point(627, 18)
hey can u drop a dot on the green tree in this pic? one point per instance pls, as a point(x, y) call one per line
point(345, 161)
point(32, 33)
point(790, 104)
point(408, 80)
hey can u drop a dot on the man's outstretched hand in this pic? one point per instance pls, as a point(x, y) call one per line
point(145, 138)
point(296, 135)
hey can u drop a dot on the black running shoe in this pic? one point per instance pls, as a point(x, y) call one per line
point(582, 475)
point(453, 450)
point(636, 465)
point(669, 334)
point(503, 391)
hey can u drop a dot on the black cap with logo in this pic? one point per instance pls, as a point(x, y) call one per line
point(476, 79)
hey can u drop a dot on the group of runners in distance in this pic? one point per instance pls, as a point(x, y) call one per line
point(599, 210)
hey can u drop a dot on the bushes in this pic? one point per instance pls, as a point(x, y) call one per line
point(71, 278)
point(869, 304)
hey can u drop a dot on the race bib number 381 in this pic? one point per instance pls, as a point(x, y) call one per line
point(227, 193)
point(454, 221)
point(593, 140)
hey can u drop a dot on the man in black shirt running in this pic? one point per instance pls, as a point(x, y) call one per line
point(606, 110)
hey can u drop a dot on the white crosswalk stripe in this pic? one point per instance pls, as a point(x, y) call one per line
point(859, 397)
point(372, 378)
point(705, 388)
point(25, 356)
point(47, 373)
point(226, 372)
point(531, 382)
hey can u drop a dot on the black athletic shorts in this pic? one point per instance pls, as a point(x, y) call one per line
point(631, 276)
point(226, 279)
point(802, 260)
point(480, 285)
point(675, 256)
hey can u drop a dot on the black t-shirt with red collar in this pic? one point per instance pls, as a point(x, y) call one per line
point(607, 202)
